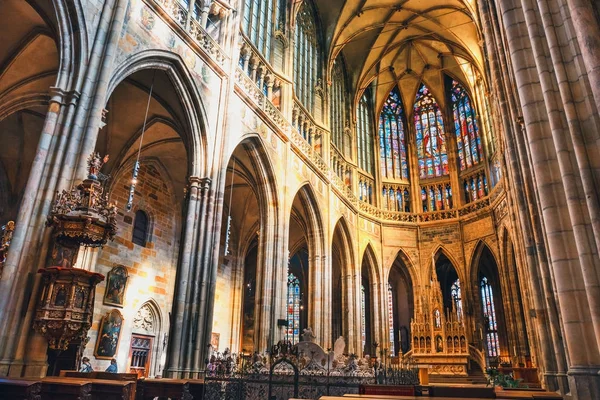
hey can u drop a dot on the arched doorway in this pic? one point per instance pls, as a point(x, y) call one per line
point(368, 297)
point(490, 314)
point(144, 349)
point(342, 263)
point(400, 301)
point(305, 271)
point(450, 284)
point(244, 293)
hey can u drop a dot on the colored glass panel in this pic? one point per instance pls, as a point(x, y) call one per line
point(293, 309)
point(429, 128)
point(489, 314)
point(465, 127)
point(392, 144)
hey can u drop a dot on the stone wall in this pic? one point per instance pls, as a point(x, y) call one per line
point(151, 268)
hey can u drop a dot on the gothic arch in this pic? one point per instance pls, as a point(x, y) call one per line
point(345, 236)
point(195, 131)
point(148, 319)
point(314, 223)
point(438, 251)
point(481, 246)
point(408, 265)
point(148, 322)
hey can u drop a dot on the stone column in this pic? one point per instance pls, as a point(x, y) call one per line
point(27, 251)
point(586, 25)
point(560, 233)
point(177, 352)
point(519, 173)
point(95, 87)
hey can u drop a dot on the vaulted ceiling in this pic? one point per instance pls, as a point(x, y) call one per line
point(385, 43)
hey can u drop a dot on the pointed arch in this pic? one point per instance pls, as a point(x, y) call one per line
point(401, 283)
point(195, 117)
point(342, 265)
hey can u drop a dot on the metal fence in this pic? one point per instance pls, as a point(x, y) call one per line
point(229, 377)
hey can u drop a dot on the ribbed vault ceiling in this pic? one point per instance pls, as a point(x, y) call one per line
point(404, 42)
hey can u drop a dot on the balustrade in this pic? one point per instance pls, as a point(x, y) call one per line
point(179, 14)
point(436, 196)
point(475, 186)
point(396, 197)
point(260, 72)
point(306, 126)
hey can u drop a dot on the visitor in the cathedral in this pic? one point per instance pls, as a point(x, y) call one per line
point(112, 368)
point(86, 367)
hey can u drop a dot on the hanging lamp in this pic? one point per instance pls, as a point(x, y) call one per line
point(136, 166)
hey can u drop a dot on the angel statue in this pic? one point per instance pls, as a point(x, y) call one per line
point(95, 163)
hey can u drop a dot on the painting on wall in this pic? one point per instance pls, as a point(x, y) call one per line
point(108, 335)
point(115, 286)
point(214, 340)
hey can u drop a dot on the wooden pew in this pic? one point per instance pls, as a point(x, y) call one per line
point(54, 388)
point(103, 389)
point(174, 389)
point(120, 377)
point(13, 389)
point(390, 390)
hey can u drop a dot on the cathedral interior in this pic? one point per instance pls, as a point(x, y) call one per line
point(418, 178)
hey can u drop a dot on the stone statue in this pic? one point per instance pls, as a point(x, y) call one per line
point(338, 347)
point(308, 335)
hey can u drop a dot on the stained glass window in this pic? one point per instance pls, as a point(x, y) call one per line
point(391, 319)
point(306, 57)
point(392, 142)
point(489, 316)
point(258, 24)
point(457, 298)
point(465, 127)
point(429, 128)
point(363, 316)
point(294, 301)
point(364, 131)
point(338, 105)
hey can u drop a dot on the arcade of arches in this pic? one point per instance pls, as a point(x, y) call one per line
point(352, 167)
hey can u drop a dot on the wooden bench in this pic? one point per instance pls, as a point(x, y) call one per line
point(174, 389)
point(103, 389)
point(66, 389)
point(374, 396)
point(13, 389)
point(461, 392)
point(391, 390)
point(105, 376)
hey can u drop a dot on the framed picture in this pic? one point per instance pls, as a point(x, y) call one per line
point(116, 283)
point(214, 340)
point(108, 335)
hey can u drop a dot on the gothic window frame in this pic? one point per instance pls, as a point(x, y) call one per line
point(294, 305)
point(455, 292)
point(364, 134)
point(490, 319)
point(392, 131)
point(466, 128)
point(390, 299)
point(432, 160)
point(259, 23)
point(143, 233)
point(307, 56)
point(338, 109)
